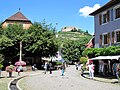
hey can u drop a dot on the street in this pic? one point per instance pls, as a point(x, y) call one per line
point(71, 81)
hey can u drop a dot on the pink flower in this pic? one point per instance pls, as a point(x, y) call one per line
point(10, 68)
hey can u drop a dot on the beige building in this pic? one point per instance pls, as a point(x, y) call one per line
point(17, 18)
point(68, 28)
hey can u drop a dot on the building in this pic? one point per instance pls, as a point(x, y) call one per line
point(107, 24)
point(69, 28)
point(18, 18)
point(107, 33)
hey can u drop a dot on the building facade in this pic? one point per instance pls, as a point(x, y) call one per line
point(107, 24)
point(17, 18)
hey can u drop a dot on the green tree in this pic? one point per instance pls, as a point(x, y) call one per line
point(71, 51)
point(40, 40)
point(9, 40)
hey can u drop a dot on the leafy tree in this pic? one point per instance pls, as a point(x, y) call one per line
point(9, 40)
point(72, 50)
point(40, 40)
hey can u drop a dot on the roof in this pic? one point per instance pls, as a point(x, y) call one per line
point(18, 17)
point(106, 6)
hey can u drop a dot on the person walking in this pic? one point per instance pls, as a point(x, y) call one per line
point(91, 70)
point(50, 68)
point(63, 69)
point(45, 67)
point(18, 69)
point(115, 70)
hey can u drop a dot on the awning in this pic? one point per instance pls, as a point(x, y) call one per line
point(106, 57)
point(46, 59)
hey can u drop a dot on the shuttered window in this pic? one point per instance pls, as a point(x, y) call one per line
point(108, 16)
point(100, 39)
point(118, 36)
point(117, 13)
point(113, 37)
point(105, 39)
point(108, 38)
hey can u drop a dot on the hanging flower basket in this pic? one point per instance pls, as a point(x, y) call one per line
point(20, 63)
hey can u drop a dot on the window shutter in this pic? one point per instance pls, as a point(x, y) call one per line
point(108, 38)
point(113, 37)
point(108, 15)
point(100, 39)
point(100, 19)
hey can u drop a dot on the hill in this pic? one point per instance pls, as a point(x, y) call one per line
point(79, 36)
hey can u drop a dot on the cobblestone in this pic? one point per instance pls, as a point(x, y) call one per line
point(71, 81)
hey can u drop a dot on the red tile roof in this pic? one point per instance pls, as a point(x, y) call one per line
point(17, 17)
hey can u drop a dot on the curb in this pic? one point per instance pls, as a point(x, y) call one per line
point(19, 78)
point(112, 82)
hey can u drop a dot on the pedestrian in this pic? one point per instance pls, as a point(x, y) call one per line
point(81, 69)
point(45, 67)
point(115, 70)
point(50, 68)
point(34, 67)
point(18, 69)
point(76, 65)
point(91, 70)
point(63, 69)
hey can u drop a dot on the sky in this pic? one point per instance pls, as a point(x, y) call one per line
point(63, 12)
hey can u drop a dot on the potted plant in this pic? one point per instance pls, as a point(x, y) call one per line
point(10, 69)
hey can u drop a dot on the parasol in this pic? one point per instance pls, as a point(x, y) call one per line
point(21, 63)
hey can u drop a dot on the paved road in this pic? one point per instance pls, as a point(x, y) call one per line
point(71, 81)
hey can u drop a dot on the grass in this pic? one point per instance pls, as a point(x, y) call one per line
point(4, 83)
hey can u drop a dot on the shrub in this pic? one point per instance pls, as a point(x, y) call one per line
point(83, 60)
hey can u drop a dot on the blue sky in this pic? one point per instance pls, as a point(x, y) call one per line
point(63, 12)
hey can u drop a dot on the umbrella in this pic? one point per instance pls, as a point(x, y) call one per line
point(22, 63)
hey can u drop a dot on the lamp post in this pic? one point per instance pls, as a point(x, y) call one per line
point(20, 51)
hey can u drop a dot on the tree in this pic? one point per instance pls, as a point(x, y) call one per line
point(9, 40)
point(40, 40)
point(71, 51)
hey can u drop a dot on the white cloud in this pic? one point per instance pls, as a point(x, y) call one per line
point(85, 11)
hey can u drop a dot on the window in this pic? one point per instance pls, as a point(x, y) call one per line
point(105, 39)
point(113, 37)
point(117, 13)
point(104, 17)
point(100, 39)
point(118, 36)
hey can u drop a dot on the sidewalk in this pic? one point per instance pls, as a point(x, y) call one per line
point(101, 79)
point(5, 79)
